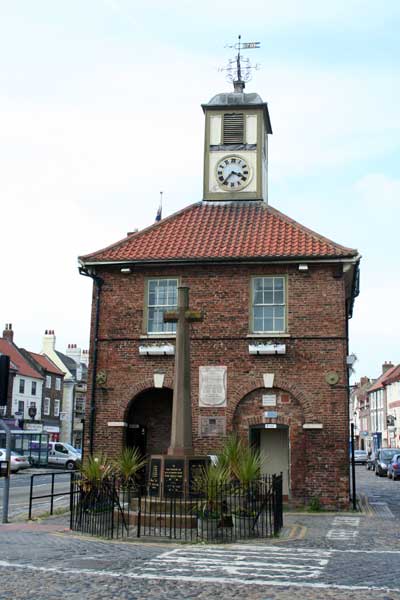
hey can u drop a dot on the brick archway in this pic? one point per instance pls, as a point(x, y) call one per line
point(249, 415)
point(249, 410)
point(148, 418)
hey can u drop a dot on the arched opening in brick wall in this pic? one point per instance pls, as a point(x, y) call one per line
point(271, 420)
point(149, 421)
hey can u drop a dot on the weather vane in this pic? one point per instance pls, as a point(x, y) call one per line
point(238, 70)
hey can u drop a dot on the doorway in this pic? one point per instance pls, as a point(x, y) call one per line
point(273, 445)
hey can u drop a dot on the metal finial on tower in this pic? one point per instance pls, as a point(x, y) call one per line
point(238, 69)
point(159, 211)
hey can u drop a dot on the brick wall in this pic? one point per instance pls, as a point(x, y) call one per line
point(316, 344)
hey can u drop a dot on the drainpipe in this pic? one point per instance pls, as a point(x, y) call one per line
point(98, 282)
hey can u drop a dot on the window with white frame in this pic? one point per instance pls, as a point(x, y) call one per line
point(268, 305)
point(46, 406)
point(56, 408)
point(58, 383)
point(33, 389)
point(162, 295)
point(48, 381)
point(22, 386)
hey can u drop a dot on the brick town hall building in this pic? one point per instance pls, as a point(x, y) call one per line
point(268, 360)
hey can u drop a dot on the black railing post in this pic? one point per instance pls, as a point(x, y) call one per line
point(30, 498)
point(353, 469)
point(52, 494)
point(139, 512)
point(114, 491)
point(71, 500)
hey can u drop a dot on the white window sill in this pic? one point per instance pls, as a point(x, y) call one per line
point(268, 334)
point(155, 336)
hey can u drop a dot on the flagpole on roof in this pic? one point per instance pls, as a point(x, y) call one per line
point(159, 211)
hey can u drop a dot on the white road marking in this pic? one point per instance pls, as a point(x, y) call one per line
point(381, 509)
point(351, 521)
point(197, 579)
point(341, 534)
point(339, 531)
point(261, 562)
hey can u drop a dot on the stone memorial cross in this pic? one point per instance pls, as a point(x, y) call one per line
point(181, 428)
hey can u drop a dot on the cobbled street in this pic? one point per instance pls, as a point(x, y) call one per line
point(319, 556)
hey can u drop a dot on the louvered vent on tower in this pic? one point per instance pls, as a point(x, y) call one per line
point(233, 128)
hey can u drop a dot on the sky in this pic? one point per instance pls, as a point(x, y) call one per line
point(100, 111)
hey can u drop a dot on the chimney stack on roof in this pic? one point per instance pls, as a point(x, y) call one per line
point(364, 380)
point(386, 366)
point(85, 357)
point(8, 333)
point(74, 352)
point(49, 342)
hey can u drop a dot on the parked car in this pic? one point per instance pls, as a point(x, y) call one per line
point(382, 460)
point(370, 464)
point(394, 467)
point(360, 457)
point(64, 455)
point(17, 461)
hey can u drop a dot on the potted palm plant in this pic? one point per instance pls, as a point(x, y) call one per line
point(210, 486)
point(246, 508)
point(94, 483)
point(128, 465)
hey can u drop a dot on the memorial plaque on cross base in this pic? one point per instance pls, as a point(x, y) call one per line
point(174, 477)
point(155, 477)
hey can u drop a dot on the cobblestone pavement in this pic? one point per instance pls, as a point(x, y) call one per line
point(319, 556)
point(379, 490)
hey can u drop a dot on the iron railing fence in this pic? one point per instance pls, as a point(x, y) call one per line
point(49, 480)
point(228, 512)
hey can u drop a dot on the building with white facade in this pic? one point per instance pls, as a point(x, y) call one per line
point(49, 349)
point(378, 408)
point(393, 406)
point(74, 366)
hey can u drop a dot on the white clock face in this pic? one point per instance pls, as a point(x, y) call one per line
point(232, 173)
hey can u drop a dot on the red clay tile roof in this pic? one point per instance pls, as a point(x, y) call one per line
point(228, 230)
point(45, 362)
point(24, 368)
point(393, 376)
point(383, 379)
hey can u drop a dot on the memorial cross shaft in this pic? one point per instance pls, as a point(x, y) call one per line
point(181, 428)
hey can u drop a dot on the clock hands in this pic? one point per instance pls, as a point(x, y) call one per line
point(227, 177)
point(233, 173)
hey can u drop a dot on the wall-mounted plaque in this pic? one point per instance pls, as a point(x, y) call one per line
point(269, 400)
point(154, 477)
point(173, 477)
point(271, 414)
point(212, 386)
point(212, 426)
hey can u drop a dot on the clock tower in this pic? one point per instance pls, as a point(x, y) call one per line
point(236, 143)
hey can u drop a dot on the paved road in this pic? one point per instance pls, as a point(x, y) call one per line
point(20, 488)
point(319, 556)
point(323, 560)
point(381, 491)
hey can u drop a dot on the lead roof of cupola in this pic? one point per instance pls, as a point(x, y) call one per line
point(232, 98)
point(226, 100)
